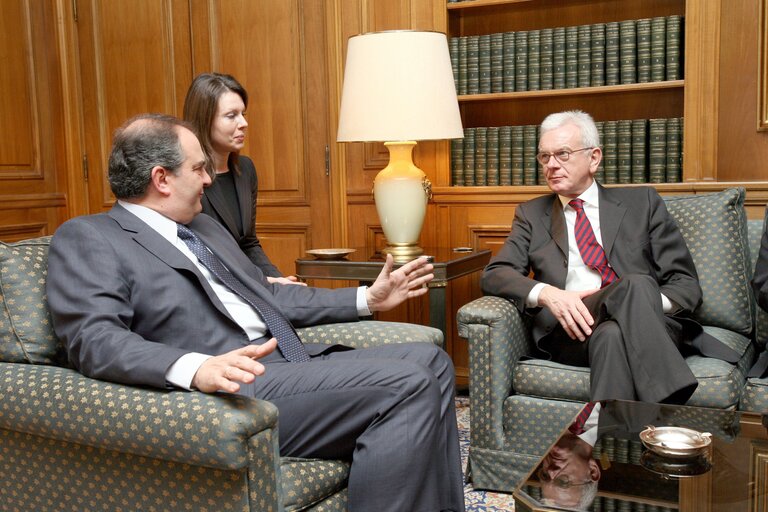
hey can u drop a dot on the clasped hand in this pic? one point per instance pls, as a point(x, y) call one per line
point(569, 309)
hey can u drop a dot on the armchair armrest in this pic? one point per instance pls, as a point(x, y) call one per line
point(498, 337)
point(183, 426)
point(370, 333)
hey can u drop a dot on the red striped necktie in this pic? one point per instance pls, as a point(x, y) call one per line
point(577, 427)
point(591, 252)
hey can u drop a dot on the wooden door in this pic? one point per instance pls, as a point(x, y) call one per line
point(33, 179)
point(135, 56)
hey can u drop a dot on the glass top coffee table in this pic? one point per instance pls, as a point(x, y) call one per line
point(707, 460)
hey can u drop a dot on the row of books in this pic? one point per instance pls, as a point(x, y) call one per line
point(625, 52)
point(634, 151)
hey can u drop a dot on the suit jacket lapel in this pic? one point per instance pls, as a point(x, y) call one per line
point(611, 215)
point(216, 199)
point(243, 189)
point(556, 225)
point(153, 242)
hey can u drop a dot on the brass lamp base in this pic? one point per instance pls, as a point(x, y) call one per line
point(403, 253)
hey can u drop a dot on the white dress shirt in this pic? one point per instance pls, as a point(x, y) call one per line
point(581, 277)
point(182, 372)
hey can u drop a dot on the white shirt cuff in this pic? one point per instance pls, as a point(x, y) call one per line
point(668, 306)
point(181, 373)
point(362, 302)
point(532, 300)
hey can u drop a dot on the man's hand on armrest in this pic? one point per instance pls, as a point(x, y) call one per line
point(222, 373)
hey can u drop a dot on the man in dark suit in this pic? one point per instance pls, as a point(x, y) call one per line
point(154, 294)
point(611, 279)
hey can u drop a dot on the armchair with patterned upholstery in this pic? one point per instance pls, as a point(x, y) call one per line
point(519, 403)
point(68, 442)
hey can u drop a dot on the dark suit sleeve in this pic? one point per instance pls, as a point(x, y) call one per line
point(672, 261)
point(507, 274)
point(249, 243)
point(760, 280)
point(90, 301)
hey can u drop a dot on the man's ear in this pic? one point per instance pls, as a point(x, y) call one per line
point(159, 177)
point(594, 470)
point(594, 163)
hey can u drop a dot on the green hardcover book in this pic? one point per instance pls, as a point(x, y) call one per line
point(639, 150)
point(546, 64)
point(457, 162)
point(658, 49)
point(529, 155)
point(674, 37)
point(497, 62)
point(584, 55)
point(492, 156)
point(657, 150)
point(463, 65)
point(571, 57)
point(481, 153)
point(598, 55)
point(534, 60)
point(610, 152)
point(643, 28)
point(612, 60)
point(508, 41)
point(484, 62)
point(674, 150)
point(624, 151)
point(473, 64)
point(469, 157)
point(600, 174)
point(505, 155)
point(521, 61)
point(558, 57)
point(628, 52)
point(453, 50)
point(517, 155)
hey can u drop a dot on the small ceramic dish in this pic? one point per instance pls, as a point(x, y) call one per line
point(675, 442)
point(330, 254)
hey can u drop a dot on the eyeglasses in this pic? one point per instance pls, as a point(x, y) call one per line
point(561, 156)
point(561, 481)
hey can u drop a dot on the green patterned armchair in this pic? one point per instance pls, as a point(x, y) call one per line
point(520, 403)
point(68, 442)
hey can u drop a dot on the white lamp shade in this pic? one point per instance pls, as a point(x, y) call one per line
point(398, 86)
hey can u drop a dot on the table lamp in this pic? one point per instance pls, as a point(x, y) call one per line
point(399, 89)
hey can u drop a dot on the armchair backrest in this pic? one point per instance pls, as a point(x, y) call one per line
point(715, 229)
point(26, 329)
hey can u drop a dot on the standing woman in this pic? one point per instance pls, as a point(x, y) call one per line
point(215, 105)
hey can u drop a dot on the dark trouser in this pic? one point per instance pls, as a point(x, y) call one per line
point(634, 350)
point(388, 409)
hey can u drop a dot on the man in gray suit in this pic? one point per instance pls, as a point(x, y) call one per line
point(151, 293)
point(605, 273)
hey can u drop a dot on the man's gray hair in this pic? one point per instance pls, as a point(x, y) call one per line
point(589, 136)
point(142, 143)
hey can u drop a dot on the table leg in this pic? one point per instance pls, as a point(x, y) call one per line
point(437, 308)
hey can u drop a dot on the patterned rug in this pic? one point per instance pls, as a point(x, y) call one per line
point(477, 501)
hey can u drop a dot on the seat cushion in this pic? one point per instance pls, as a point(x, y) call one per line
point(305, 482)
point(755, 396)
point(715, 229)
point(26, 329)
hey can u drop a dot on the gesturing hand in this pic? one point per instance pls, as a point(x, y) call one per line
point(222, 373)
point(393, 287)
point(569, 310)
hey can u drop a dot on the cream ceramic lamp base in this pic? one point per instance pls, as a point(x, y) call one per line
point(401, 191)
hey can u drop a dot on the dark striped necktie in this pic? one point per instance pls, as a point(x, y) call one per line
point(287, 340)
point(591, 252)
point(577, 427)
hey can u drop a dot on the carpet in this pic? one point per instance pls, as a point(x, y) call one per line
point(477, 501)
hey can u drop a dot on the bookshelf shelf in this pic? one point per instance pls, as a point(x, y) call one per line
point(579, 91)
point(470, 4)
